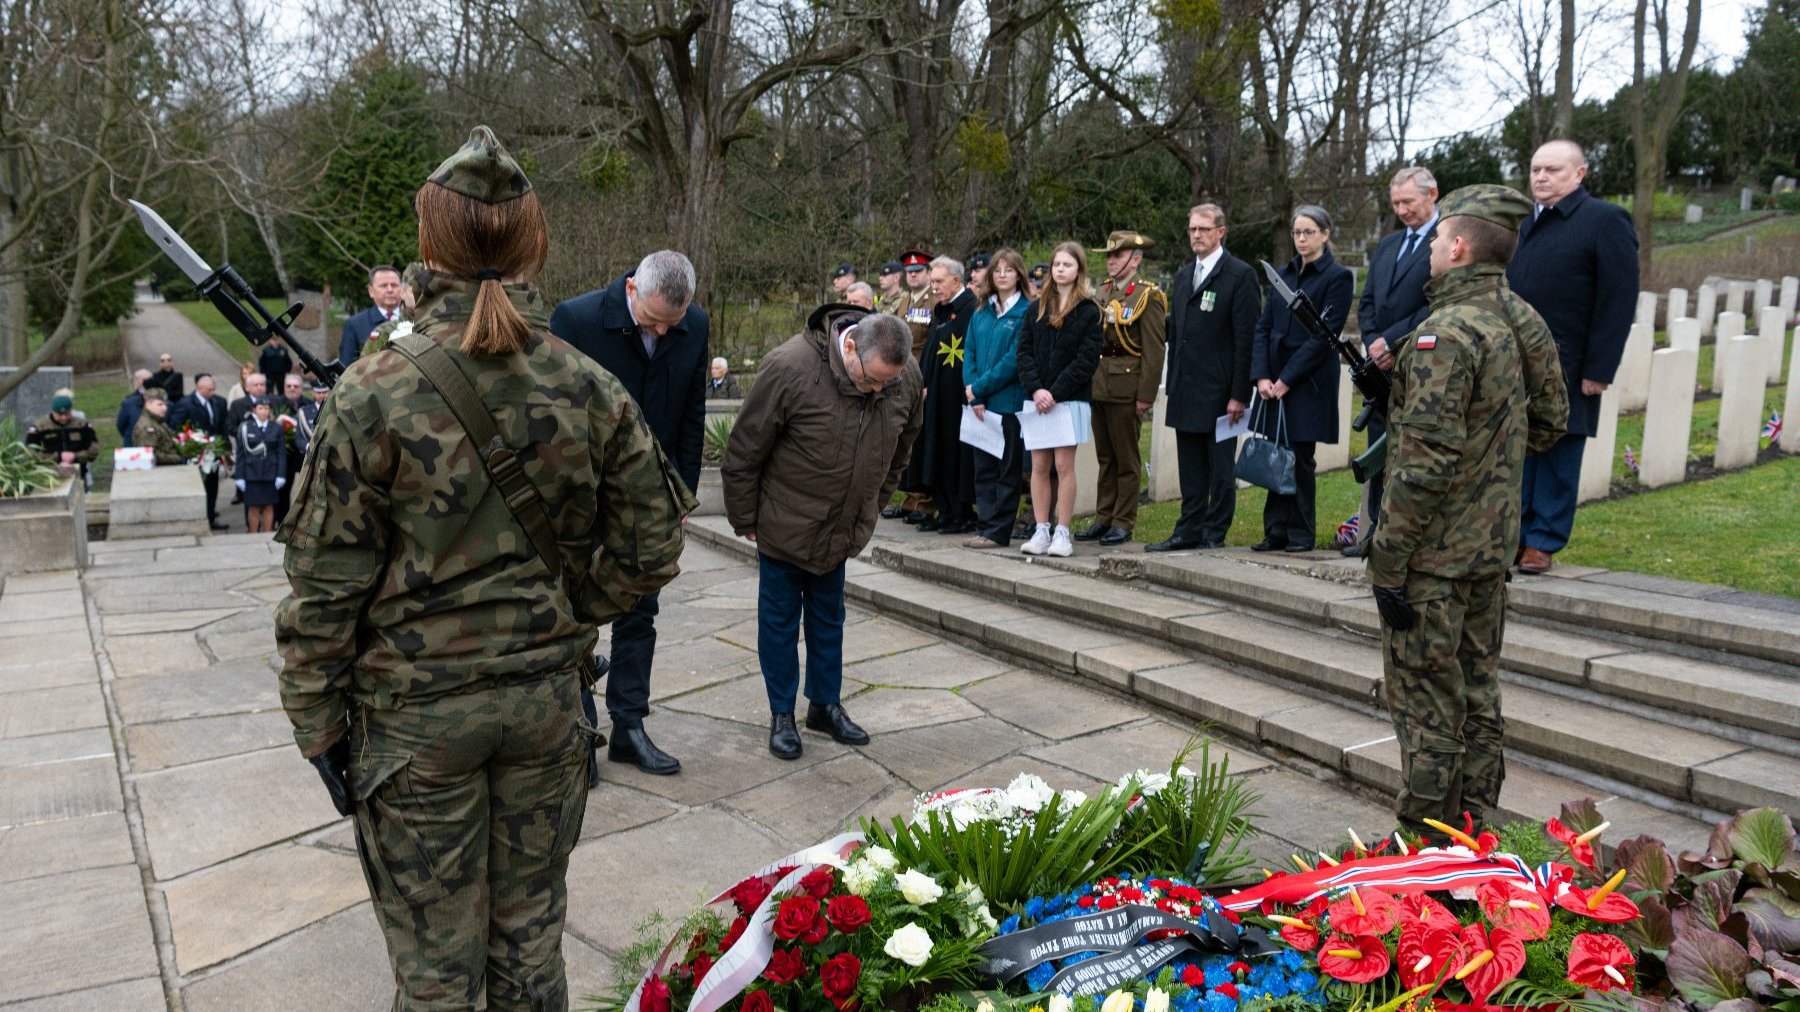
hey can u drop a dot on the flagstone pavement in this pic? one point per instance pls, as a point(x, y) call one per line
point(163, 845)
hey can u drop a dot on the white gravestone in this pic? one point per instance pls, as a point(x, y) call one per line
point(1745, 197)
point(1331, 456)
point(1765, 297)
point(1646, 309)
point(1669, 417)
point(1790, 406)
point(1790, 295)
point(1740, 407)
point(1678, 306)
point(1597, 459)
point(1633, 377)
point(1707, 304)
point(1771, 331)
point(1734, 296)
point(1694, 214)
point(1731, 326)
point(1165, 471)
point(1685, 334)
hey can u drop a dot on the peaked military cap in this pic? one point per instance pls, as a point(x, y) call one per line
point(891, 267)
point(155, 394)
point(915, 259)
point(1038, 272)
point(1125, 240)
point(844, 268)
point(482, 170)
point(1502, 205)
point(979, 260)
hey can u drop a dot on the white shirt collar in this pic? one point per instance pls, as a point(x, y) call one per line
point(1211, 260)
point(1000, 308)
point(1425, 229)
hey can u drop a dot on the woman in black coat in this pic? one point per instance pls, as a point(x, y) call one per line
point(1059, 349)
point(1296, 375)
point(261, 465)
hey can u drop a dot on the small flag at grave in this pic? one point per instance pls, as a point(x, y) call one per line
point(1772, 428)
point(1346, 534)
point(1631, 461)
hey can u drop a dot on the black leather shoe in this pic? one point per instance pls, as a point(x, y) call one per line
point(784, 738)
point(1115, 536)
point(1356, 551)
point(890, 512)
point(1299, 548)
point(914, 517)
point(217, 526)
point(1172, 545)
point(958, 527)
point(632, 745)
point(831, 718)
point(928, 524)
point(1093, 532)
point(1268, 545)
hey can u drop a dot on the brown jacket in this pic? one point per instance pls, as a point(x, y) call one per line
point(812, 458)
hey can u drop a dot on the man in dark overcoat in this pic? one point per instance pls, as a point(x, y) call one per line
point(941, 462)
point(1213, 307)
point(1577, 265)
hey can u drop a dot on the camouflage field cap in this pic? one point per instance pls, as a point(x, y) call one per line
point(155, 394)
point(1502, 205)
point(482, 170)
point(1123, 240)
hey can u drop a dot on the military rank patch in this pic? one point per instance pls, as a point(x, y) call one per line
point(1426, 342)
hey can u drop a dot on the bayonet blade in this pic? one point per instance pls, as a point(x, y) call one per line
point(167, 240)
point(1286, 293)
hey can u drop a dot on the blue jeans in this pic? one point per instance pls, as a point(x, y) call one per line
point(785, 593)
point(1552, 480)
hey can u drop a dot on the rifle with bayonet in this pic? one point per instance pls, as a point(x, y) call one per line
point(1368, 377)
point(232, 295)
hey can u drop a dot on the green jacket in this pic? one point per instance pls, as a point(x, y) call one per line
point(150, 431)
point(1474, 386)
point(410, 577)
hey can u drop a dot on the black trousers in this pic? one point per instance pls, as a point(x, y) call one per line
point(633, 647)
point(1208, 486)
point(211, 483)
point(998, 484)
point(1291, 519)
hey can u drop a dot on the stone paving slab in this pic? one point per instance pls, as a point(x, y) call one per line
point(178, 742)
point(143, 993)
point(1053, 708)
point(933, 756)
point(59, 790)
point(938, 666)
point(210, 925)
point(614, 807)
point(158, 654)
point(51, 581)
point(204, 813)
point(340, 962)
point(71, 931)
point(720, 759)
point(47, 711)
point(61, 746)
point(231, 687)
point(64, 668)
point(37, 607)
point(52, 848)
point(157, 622)
point(789, 808)
point(64, 628)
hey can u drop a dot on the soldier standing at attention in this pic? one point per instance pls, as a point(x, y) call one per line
point(1476, 387)
point(1132, 316)
point(892, 287)
point(152, 428)
point(914, 305)
point(435, 632)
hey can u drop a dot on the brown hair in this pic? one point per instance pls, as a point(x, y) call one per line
point(1489, 243)
point(985, 288)
point(1079, 292)
point(462, 236)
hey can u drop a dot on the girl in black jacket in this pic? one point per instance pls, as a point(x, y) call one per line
point(1059, 349)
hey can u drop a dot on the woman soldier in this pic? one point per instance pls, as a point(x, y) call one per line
point(431, 650)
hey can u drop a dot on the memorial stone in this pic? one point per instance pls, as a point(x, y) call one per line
point(1790, 406)
point(1685, 335)
point(1597, 459)
point(1331, 456)
point(1707, 304)
point(1790, 295)
point(1765, 297)
point(1646, 309)
point(1731, 326)
point(1734, 296)
point(1745, 198)
point(1694, 213)
point(31, 400)
point(1669, 416)
point(1633, 377)
point(1740, 406)
point(1165, 472)
point(1771, 331)
point(1678, 306)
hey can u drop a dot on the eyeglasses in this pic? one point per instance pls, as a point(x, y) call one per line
point(1305, 233)
point(1205, 228)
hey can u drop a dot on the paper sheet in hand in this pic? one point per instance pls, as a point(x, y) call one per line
point(984, 434)
point(1067, 424)
point(1224, 428)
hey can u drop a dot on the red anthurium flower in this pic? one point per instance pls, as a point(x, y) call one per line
point(1583, 853)
point(1306, 939)
point(1507, 960)
point(1364, 912)
point(1611, 907)
point(1354, 960)
point(1515, 908)
point(1418, 908)
point(1427, 952)
point(1601, 962)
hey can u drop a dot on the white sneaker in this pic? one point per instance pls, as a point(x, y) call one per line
point(1039, 543)
point(1061, 545)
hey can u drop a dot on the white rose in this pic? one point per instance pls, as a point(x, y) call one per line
point(910, 945)
point(1060, 1002)
point(880, 857)
point(918, 887)
point(1156, 1001)
point(861, 877)
point(962, 816)
point(1028, 792)
point(1072, 800)
point(1118, 1001)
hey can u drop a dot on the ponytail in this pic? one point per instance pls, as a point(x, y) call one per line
point(486, 242)
point(495, 326)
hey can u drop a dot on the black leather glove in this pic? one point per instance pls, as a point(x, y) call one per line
point(1398, 615)
point(334, 768)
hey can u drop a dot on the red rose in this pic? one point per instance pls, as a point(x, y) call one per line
point(757, 1001)
point(733, 933)
point(702, 964)
point(785, 967)
point(815, 934)
point(749, 894)
point(817, 883)
point(847, 913)
point(796, 917)
point(839, 976)
point(655, 997)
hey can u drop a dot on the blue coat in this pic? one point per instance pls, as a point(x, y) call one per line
point(129, 410)
point(356, 334)
point(992, 369)
point(1393, 297)
point(267, 466)
point(669, 386)
point(1577, 265)
point(1283, 350)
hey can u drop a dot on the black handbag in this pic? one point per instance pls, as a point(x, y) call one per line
point(1265, 462)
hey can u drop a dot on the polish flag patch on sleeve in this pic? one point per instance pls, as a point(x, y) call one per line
point(1426, 342)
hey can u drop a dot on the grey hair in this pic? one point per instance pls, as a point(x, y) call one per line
point(1580, 152)
point(1418, 175)
point(884, 335)
point(720, 360)
point(256, 376)
point(142, 375)
point(1211, 210)
point(1319, 215)
point(955, 267)
point(667, 275)
point(859, 286)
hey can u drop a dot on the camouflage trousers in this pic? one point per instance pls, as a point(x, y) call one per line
point(1442, 679)
point(468, 807)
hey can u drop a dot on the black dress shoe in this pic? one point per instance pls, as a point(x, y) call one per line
point(928, 524)
point(784, 738)
point(1093, 532)
point(1299, 548)
point(831, 718)
point(913, 517)
point(1360, 550)
point(890, 512)
point(1115, 536)
point(217, 526)
point(632, 745)
point(1172, 545)
point(958, 527)
point(1268, 545)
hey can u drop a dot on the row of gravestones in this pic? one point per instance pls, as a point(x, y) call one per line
point(1662, 383)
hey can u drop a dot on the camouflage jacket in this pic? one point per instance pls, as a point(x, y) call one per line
point(1473, 385)
point(151, 432)
point(52, 439)
point(410, 577)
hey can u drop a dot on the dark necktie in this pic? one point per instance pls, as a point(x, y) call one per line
point(1411, 243)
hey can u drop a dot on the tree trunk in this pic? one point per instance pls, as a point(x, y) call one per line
point(1563, 123)
point(12, 293)
point(1650, 126)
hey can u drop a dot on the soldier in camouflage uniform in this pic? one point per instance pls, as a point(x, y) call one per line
point(1133, 315)
point(152, 428)
point(1476, 387)
point(431, 655)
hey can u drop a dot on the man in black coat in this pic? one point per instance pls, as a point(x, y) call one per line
point(941, 462)
point(645, 329)
point(1213, 308)
point(385, 292)
point(1577, 265)
point(167, 378)
point(205, 410)
point(1393, 299)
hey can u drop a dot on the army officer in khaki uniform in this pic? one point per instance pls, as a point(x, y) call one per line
point(1132, 315)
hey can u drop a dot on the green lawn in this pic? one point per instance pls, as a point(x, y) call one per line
point(227, 337)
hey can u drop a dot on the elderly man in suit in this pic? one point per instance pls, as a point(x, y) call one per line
point(1213, 309)
point(385, 291)
point(1577, 265)
point(645, 329)
point(1393, 300)
point(205, 410)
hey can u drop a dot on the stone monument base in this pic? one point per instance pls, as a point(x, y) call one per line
point(157, 503)
point(46, 531)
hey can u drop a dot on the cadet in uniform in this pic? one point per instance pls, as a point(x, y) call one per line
point(431, 654)
point(152, 428)
point(914, 305)
point(1132, 315)
point(1476, 387)
point(892, 287)
point(60, 433)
